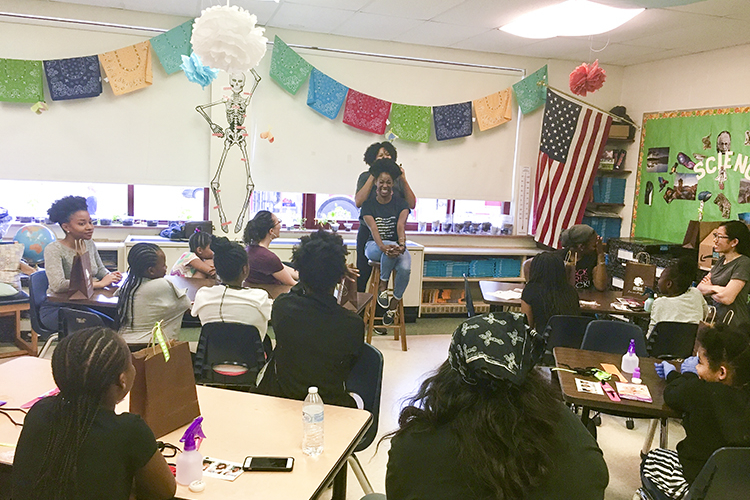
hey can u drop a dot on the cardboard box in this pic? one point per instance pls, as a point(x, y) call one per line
point(697, 231)
point(706, 253)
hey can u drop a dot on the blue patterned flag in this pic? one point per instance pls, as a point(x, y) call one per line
point(452, 121)
point(172, 45)
point(325, 95)
point(74, 78)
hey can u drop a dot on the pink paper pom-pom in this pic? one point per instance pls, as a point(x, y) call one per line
point(587, 78)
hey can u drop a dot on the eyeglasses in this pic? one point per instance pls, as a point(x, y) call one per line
point(718, 236)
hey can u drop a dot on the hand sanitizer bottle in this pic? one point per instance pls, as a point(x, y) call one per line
point(629, 360)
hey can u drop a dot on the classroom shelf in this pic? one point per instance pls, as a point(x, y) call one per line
point(613, 173)
point(439, 279)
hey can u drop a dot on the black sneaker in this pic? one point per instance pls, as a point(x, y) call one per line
point(389, 317)
point(380, 331)
point(383, 299)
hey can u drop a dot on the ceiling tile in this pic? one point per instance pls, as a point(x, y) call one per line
point(411, 9)
point(711, 33)
point(438, 34)
point(728, 8)
point(494, 40)
point(308, 18)
point(660, 55)
point(375, 26)
point(490, 14)
point(353, 5)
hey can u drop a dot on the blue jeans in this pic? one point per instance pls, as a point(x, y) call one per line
point(401, 264)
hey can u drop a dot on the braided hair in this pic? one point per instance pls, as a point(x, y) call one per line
point(141, 257)
point(85, 364)
point(229, 258)
point(199, 239)
point(258, 227)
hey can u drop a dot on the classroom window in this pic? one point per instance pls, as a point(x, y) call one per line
point(339, 207)
point(429, 210)
point(478, 211)
point(286, 206)
point(33, 198)
point(167, 202)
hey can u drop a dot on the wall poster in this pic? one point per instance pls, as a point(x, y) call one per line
point(691, 161)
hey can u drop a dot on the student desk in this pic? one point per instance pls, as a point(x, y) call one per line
point(236, 424)
point(577, 358)
point(604, 299)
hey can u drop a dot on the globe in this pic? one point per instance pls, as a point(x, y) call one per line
point(35, 238)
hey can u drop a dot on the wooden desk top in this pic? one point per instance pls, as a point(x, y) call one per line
point(236, 424)
point(577, 358)
point(604, 299)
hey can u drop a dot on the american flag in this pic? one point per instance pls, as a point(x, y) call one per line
point(573, 139)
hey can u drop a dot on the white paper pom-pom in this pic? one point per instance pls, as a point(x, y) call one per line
point(226, 38)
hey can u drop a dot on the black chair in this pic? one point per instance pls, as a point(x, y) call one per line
point(564, 331)
point(672, 340)
point(38, 284)
point(72, 320)
point(366, 380)
point(725, 476)
point(469, 300)
point(614, 337)
point(229, 355)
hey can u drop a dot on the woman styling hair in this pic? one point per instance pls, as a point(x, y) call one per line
point(487, 425)
point(74, 445)
point(547, 292)
point(265, 266)
point(583, 251)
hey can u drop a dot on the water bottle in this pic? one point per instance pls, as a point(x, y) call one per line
point(312, 422)
point(630, 360)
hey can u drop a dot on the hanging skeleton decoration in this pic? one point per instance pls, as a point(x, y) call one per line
point(234, 135)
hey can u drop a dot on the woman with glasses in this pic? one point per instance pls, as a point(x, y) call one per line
point(265, 266)
point(728, 283)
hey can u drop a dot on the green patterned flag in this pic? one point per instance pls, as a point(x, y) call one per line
point(21, 81)
point(411, 123)
point(531, 92)
point(172, 45)
point(288, 68)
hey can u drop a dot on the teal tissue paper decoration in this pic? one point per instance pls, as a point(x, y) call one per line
point(196, 72)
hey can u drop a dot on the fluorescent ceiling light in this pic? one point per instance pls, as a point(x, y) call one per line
point(570, 18)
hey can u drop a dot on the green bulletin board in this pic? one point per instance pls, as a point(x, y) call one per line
point(685, 156)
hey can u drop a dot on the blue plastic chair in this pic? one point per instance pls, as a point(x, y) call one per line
point(614, 337)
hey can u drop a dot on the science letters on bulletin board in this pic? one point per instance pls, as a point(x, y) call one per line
point(691, 161)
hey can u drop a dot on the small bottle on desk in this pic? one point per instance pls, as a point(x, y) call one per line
point(312, 422)
point(630, 360)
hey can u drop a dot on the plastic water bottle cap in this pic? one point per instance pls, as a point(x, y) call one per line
point(313, 390)
point(197, 486)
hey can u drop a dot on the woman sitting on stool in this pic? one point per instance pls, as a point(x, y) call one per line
point(385, 216)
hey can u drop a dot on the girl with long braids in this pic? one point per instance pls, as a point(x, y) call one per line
point(74, 445)
point(548, 292)
point(147, 297)
point(229, 302)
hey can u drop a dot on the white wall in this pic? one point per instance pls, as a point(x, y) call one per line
point(712, 79)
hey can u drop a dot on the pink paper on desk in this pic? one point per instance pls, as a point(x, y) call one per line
point(635, 392)
point(52, 392)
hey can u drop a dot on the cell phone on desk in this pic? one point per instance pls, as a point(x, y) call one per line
point(268, 464)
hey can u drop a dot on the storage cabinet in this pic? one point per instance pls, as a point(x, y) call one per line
point(608, 190)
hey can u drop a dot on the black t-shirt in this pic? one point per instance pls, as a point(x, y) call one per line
point(425, 465)
point(536, 296)
point(585, 265)
point(385, 215)
point(317, 344)
point(113, 450)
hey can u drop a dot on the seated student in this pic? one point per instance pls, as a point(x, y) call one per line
point(317, 340)
point(11, 268)
point(265, 266)
point(74, 445)
point(198, 262)
point(678, 300)
point(229, 302)
point(583, 254)
point(547, 292)
point(713, 394)
point(73, 216)
point(147, 297)
point(385, 216)
point(488, 424)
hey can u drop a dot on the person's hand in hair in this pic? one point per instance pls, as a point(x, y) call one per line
point(689, 365)
point(663, 369)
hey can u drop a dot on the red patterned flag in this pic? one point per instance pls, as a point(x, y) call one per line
point(366, 112)
point(573, 139)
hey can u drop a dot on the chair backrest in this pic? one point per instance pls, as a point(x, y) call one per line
point(38, 284)
point(366, 379)
point(671, 340)
point(231, 344)
point(72, 320)
point(725, 476)
point(567, 331)
point(614, 337)
point(469, 300)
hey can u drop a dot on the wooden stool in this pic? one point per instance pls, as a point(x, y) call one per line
point(398, 326)
point(14, 308)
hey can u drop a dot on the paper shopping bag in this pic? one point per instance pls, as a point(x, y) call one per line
point(348, 293)
point(164, 392)
point(639, 276)
point(81, 281)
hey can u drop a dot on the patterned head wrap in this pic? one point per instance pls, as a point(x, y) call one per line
point(495, 346)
